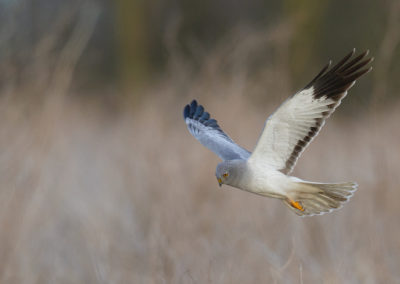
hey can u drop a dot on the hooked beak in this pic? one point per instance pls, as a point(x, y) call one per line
point(220, 182)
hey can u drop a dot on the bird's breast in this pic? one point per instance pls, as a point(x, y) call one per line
point(262, 179)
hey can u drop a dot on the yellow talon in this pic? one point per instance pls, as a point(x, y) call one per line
point(296, 205)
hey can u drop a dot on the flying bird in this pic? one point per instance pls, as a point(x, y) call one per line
point(286, 134)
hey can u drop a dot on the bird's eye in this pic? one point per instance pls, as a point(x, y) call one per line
point(225, 175)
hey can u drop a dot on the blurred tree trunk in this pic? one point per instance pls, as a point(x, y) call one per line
point(132, 45)
point(386, 54)
point(307, 18)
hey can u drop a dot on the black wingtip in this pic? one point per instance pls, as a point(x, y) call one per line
point(335, 81)
point(196, 112)
point(193, 110)
point(322, 72)
point(199, 111)
point(186, 111)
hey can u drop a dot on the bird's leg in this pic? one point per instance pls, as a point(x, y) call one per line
point(296, 205)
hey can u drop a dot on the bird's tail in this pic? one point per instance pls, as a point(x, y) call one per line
point(311, 198)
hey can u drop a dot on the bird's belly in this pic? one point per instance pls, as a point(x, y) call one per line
point(267, 182)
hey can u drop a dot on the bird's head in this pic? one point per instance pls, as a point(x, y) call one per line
point(227, 172)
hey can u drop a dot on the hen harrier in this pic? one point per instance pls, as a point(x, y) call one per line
point(286, 134)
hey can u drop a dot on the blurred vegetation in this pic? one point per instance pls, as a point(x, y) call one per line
point(130, 47)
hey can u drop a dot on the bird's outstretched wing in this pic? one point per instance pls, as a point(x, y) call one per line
point(298, 120)
point(208, 132)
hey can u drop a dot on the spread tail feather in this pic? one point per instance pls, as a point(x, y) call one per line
point(311, 198)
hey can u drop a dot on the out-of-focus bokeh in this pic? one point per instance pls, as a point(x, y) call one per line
point(102, 183)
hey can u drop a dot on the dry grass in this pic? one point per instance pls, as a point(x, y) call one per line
point(93, 196)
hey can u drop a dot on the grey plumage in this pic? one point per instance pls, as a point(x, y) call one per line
point(208, 132)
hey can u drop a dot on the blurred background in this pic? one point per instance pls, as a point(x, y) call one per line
point(102, 183)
